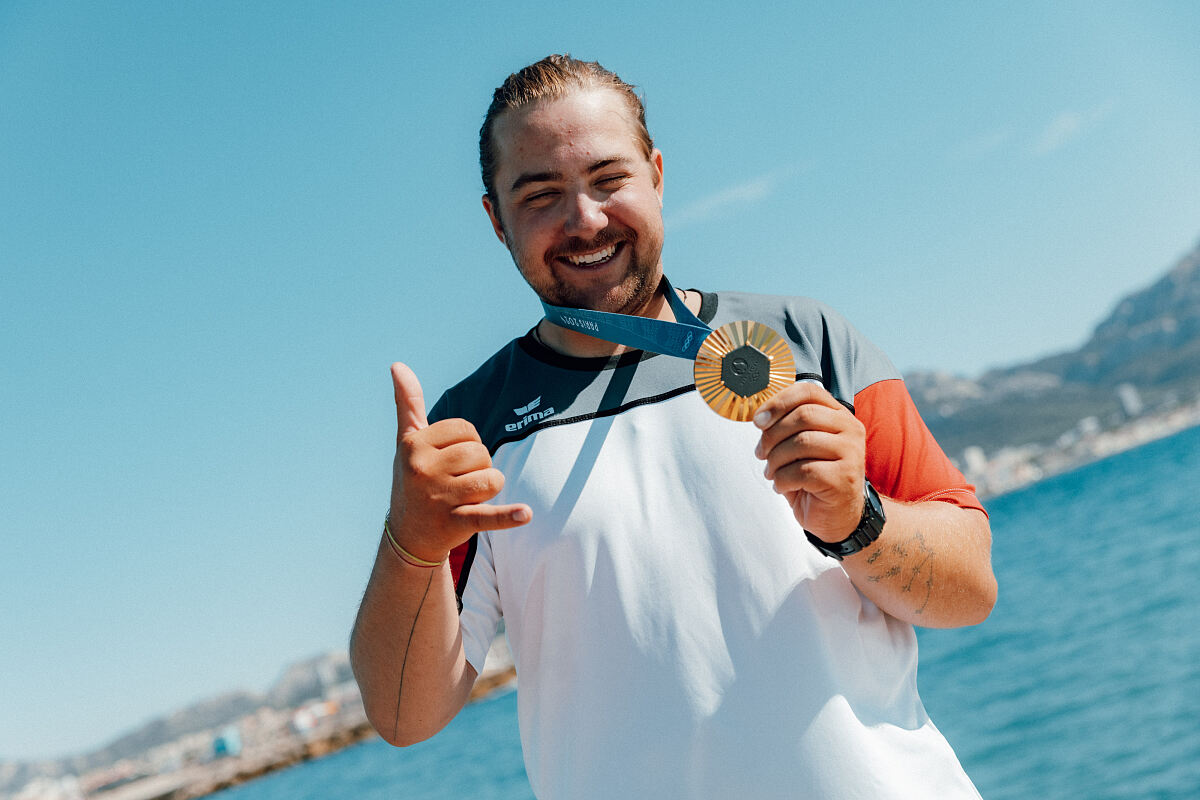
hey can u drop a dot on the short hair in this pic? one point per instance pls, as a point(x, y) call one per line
point(553, 77)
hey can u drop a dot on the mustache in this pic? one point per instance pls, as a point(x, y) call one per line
point(575, 246)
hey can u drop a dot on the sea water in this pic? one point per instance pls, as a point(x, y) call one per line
point(1085, 680)
point(1083, 683)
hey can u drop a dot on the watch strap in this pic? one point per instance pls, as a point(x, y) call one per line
point(870, 526)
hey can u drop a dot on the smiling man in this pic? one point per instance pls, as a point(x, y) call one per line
point(696, 607)
point(577, 199)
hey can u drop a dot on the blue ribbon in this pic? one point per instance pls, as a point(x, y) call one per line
point(682, 338)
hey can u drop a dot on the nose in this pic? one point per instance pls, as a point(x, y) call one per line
point(585, 216)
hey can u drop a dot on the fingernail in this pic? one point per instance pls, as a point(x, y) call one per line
point(521, 515)
point(758, 450)
point(762, 418)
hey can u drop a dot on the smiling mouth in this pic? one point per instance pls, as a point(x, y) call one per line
point(593, 258)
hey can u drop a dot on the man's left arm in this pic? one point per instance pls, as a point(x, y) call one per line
point(930, 566)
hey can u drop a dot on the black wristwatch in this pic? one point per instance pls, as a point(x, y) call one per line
point(868, 530)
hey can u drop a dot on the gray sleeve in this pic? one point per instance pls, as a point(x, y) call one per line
point(848, 361)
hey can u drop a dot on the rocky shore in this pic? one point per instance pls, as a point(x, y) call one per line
point(332, 733)
point(313, 710)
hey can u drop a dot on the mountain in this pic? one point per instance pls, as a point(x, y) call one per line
point(1144, 357)
point(309, 679)
point(300, 682)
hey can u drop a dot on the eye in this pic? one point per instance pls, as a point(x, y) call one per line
point(612, 181)
point(540, 198)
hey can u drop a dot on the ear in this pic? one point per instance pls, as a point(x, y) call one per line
point(656, 162)
point(494, 216)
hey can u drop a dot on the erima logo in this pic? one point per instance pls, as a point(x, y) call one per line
point(531, 414)
point(534, 403)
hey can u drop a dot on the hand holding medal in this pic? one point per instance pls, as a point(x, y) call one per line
point(737, 367)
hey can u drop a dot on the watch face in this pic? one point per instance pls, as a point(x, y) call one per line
point(740, 366)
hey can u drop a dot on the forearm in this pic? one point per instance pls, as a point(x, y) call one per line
point(406, 650)
point(931, 566)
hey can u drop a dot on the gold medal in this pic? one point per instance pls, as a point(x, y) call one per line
point(740, 366)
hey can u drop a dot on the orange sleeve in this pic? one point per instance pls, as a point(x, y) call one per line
point(904, 461)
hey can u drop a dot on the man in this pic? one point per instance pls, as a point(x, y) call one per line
point(678, 623)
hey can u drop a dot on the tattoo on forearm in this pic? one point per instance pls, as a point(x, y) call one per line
point(404, 661)
point(919, 567)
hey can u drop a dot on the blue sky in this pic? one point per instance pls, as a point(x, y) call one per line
point(220, 222)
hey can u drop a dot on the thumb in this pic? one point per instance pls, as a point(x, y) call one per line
point(410, 400)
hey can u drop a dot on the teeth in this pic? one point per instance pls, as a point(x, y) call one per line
point(592, 258)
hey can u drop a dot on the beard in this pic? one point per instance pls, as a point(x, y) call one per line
point(629, 295)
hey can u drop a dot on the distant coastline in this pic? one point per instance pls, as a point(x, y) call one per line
point(347, 727)
point(199, 762)
point(1013, 468)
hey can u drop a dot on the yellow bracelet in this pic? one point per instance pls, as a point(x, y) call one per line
point(405, 556)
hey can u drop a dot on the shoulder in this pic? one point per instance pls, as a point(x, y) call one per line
point(824, 343)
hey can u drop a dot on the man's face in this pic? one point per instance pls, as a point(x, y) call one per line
point(579, 206)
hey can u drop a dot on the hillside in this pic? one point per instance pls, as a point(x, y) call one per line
point(299, 682)
point(1150, 342)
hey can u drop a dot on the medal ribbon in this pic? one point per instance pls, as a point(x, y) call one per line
point(681, 339)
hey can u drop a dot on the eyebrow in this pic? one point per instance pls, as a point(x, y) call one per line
point(538, 177)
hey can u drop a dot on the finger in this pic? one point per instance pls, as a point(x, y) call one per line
point(465, 457)
point(478, 486)
point(804, 446)
point(410, 400)
point(484, 517)
point(825, 480)
point(801, 418)
point(776, 407)
point(448, 432)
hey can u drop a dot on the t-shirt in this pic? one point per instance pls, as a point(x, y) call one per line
point(674, 633)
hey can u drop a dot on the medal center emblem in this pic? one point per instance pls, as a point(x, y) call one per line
point(746, 371)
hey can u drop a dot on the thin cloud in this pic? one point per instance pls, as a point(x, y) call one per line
point(1061, 130)
point(1068, 126)
point(713, 205)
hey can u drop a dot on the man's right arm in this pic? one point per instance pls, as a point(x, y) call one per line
point(406, 647)
point(406, 650)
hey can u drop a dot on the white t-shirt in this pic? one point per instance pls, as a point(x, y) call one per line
point(674, 633)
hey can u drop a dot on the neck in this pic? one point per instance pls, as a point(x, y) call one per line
point(580, 345)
